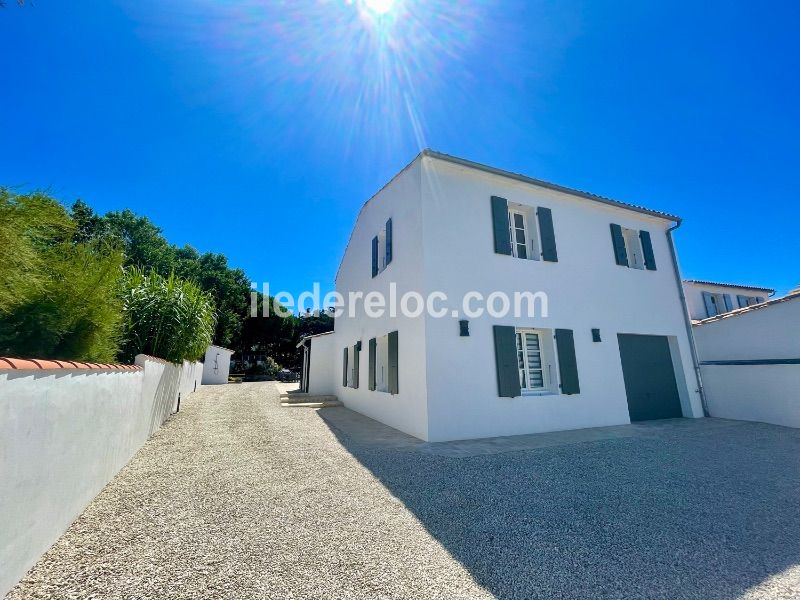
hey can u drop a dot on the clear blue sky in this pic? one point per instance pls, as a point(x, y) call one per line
point(287, 116)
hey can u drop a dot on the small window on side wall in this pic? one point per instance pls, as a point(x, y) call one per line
point(382, 249)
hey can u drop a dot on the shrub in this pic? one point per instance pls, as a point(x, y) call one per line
point(58, 299)
point(165, 317)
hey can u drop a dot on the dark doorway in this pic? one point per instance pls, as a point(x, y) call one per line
point(649, 377)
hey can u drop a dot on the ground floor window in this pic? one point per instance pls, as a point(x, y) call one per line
point(535, 360)
point(383, 363)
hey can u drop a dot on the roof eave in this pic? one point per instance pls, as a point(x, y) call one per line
point(546, 184)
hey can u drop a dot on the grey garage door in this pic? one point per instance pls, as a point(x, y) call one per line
point(649, 377)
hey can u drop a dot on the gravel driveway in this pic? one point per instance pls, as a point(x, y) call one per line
point(237, 497)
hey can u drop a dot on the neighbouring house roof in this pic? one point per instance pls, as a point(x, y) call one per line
point(730, 285)
point(313, 335)
point(747, 309)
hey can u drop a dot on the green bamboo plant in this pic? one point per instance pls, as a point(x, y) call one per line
point(166, 317)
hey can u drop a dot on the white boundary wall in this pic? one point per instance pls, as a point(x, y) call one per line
point(748, 388)
point(64, 434)
point(765, 393)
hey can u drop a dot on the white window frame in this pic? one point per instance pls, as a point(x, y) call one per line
point(382, 250)
point(530, 228)
point(382, 363)
point(546, 359)
point(633, 248)
point(350, 366)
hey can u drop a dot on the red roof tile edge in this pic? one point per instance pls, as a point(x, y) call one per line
point(38, 364)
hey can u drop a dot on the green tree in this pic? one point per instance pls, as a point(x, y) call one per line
point(145, 247)
point(58, 298)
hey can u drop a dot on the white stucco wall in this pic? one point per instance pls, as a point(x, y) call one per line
point(321, 379)
point(764, 393)
point(586, 289)
point(400, 201)
point(694, 296)
point(64, 434)
point(753, 392)
point(216, 365)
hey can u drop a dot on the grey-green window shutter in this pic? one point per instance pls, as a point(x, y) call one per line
point(344, 368)
point(708, 300)
point(547, 234)
point(742, 300)
point(505, 356)
point(388, 241)
point(355, 366)
point(394, 386)
point(760, 299)
point(502, 236)
point(373, 352)
point(620, 253)
point(647, 250)
point(567, 362)
point(728, 302)
point(375, 256)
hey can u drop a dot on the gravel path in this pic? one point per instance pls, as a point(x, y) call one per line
point(236, 497)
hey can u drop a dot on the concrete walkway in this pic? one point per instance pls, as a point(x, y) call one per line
point(238, 498)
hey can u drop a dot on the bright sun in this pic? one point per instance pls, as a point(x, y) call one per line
point(379, 7)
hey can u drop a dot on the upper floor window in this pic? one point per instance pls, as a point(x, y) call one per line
point(523, 239)
point(632, 248)
point(717, 304)
point(523, 231)
point(382, 249)
point(744, 301)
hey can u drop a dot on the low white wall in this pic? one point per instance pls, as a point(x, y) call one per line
point(64, 434)
point(765, 393)
point(751, 391)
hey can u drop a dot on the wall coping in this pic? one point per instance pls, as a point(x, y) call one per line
point(39, 364)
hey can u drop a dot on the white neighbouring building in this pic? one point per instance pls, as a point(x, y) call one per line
point(706, 299)
point(615, 347)
point(216, 365)
point(750, 362)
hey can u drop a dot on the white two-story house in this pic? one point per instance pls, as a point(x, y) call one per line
point(613, 345)
point(706, 299)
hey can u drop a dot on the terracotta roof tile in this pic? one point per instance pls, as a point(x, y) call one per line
point(38, 364)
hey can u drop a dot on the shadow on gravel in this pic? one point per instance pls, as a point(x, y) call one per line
point(693, 512)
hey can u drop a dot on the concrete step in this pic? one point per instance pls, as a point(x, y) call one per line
point(305, 398)
point(326, 404)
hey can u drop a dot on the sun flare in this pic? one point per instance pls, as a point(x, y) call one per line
point(379, 7)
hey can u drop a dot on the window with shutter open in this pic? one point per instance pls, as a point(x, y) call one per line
point(382, 249)
point(523, 231)
point(632, 248)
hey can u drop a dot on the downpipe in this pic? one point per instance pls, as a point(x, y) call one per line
point(686, 319)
